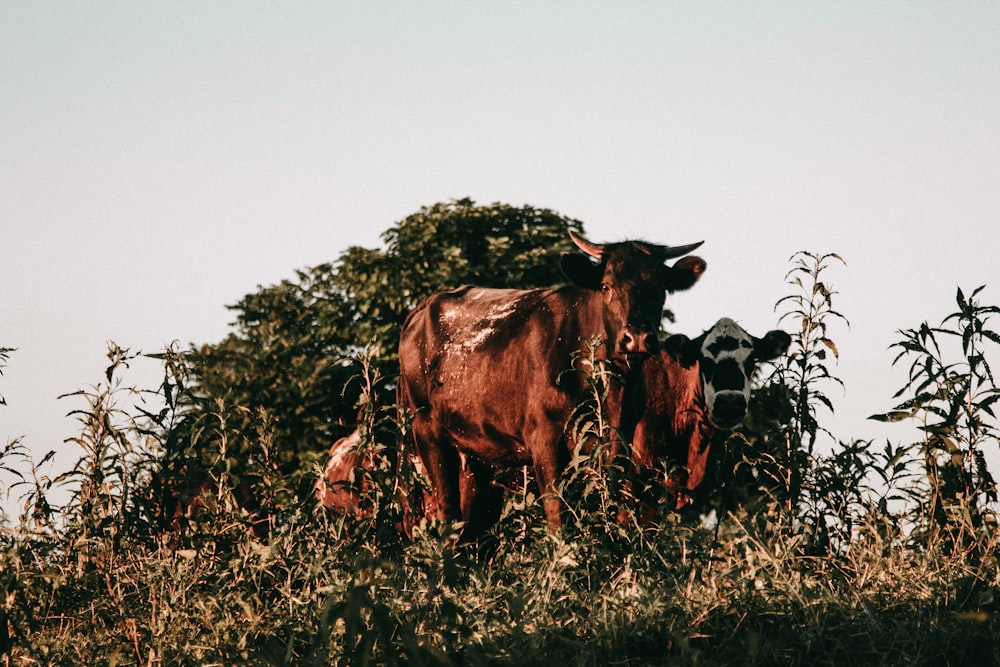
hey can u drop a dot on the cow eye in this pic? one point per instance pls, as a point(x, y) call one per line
point(605, 288)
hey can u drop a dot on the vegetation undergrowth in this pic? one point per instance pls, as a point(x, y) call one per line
point(189, 538)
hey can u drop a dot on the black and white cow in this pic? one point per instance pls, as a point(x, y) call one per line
point(696, 388)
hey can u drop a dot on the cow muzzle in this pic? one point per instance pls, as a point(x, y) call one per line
point(636, 340)
point(728, 409)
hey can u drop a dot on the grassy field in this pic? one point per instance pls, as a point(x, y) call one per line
point(319, 590)
point(100, 584)
point(868, 555)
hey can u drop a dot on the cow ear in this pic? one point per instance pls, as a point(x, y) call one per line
point(683, 274)
point(773, 344)
point(581, 271)
point(682, 349)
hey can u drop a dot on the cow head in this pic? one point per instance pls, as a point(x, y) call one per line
point(634, 279)
point(728, 356)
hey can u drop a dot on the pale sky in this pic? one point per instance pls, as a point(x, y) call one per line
point(158, 161)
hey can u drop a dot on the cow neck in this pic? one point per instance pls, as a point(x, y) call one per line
point(590, 313)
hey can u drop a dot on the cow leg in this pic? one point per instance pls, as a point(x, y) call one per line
point(481, 500)
point(441, 462)
point(545, 472)
point(468, 489)
point(623, 408)
point(546, 444)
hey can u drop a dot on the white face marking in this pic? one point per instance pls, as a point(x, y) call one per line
point(725, 353)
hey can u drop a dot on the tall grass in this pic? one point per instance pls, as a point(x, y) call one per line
point(864, 555)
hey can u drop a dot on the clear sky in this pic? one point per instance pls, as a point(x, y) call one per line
point(160, 160)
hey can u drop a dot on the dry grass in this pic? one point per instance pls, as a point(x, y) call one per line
point(320, 591)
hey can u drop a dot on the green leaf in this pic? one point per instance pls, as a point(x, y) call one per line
point(892, 416)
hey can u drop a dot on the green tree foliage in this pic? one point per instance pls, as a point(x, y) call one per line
point(295, 345)
point(289, 358)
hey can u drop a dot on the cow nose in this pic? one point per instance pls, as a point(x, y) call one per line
point(729, 409)
point(637, 340)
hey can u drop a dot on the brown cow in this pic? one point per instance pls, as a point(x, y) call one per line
point(483, 371)
point(695, 389)
point(345, 479)
point(338, 488)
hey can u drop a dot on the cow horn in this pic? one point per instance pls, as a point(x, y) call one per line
point(669, 252)
point(595, 250)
